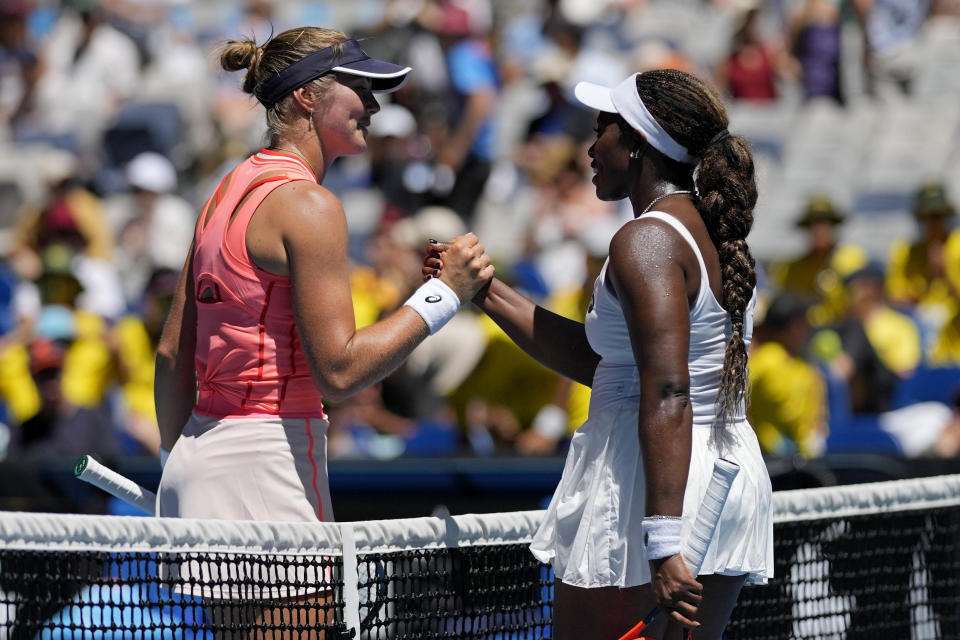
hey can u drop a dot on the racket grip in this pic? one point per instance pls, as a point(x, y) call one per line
point(102, 477)
point(694, 545)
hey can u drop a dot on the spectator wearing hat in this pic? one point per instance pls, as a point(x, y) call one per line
point(71, 216)
point(926, 272)
point(787, 391)
point(59, 428)
point(89, 371)
point(152, 223)
point(818, 273)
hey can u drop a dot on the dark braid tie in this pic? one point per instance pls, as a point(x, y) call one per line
point(720, 136)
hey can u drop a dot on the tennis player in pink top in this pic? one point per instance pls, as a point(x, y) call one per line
point(262, 327)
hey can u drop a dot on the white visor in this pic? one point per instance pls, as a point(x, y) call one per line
point(624, 100)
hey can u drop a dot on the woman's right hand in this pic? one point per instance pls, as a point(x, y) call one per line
point(461, 264)
point(675, 590)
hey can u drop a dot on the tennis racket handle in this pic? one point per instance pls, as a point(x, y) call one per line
point(634, 633)
point(694, 545)
point(102, 477)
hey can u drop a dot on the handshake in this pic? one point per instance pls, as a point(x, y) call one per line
point(461, 264)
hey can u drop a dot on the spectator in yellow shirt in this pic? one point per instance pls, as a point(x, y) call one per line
point(787, 393)
point(944, 351)
point(894, 335)
point(926, 272)
point(878, 346)
point(89, 367)
point(818, 273)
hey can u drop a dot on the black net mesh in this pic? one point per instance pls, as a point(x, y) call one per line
point(475, 592)
point(883, 575)
point(886, 575)
point(61, 595)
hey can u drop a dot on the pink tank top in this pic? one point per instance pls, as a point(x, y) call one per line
point(249, 358)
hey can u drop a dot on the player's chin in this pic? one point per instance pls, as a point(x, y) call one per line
point(358, 145)
point(603, 194)
point(606, 193)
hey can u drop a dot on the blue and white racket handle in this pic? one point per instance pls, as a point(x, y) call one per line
point(119, 486)
point(694, 546)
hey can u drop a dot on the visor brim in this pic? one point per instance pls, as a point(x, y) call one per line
point(595, 96)
point(385, 77)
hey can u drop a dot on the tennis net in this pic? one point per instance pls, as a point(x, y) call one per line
point(861, 561)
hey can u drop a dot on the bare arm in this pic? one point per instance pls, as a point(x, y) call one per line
point(343, 359)
point(556, 342)
point(175, 382)
point(652, 287)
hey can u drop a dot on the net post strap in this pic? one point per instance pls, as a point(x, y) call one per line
point(351, 593)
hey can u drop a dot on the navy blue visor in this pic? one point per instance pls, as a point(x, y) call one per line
point(385, 76)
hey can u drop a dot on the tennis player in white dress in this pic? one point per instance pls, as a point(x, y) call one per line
point(664, 347)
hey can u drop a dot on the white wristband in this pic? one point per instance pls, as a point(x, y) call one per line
point(435, 302)
point(164, 454)
point(661, 536)
point(550, 422)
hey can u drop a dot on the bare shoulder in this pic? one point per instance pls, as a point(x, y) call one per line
point(644, 241)
point(303, 200)
point(304, 210)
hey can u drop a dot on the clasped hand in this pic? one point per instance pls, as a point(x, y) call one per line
point(461, 264)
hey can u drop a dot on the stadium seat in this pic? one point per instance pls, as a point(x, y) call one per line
point(939, 384)
point(853, 433)
point(142, 127)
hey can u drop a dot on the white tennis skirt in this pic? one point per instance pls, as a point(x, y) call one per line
point(272, 469)
point(591, 533)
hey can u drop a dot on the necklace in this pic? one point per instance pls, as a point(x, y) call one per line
point(664, 196)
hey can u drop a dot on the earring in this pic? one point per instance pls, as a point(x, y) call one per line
point(310, 120)
point(635, 153)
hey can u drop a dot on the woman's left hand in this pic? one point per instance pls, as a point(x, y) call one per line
point(675, 590)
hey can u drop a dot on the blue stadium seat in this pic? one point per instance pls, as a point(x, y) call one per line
point(928, 384)
point(853, 433)
point(861, 434)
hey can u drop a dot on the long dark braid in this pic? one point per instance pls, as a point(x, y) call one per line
point(695, 117)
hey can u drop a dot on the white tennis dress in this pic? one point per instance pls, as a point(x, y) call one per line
point(591, 532)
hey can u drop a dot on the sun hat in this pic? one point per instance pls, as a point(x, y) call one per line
point(931, 200)
point(153, 172)
point(386, 76)
point(820, 208)
point(45, 354)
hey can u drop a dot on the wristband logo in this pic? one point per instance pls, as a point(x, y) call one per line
point(433, 299)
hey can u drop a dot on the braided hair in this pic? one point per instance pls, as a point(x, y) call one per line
point(695, 117)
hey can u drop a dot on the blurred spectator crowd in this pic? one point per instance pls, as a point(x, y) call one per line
point(116, 124)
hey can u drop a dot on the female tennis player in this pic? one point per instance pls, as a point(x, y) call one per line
point(664, 347)
point(262, 326)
